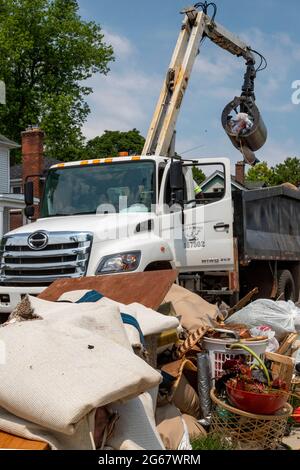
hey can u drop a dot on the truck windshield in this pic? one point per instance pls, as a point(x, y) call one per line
point(104, 188)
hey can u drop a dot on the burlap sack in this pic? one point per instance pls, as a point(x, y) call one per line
point(182, 392)
point(194, 427)
point(194, 311)
point(186, 399)
point(170, 426)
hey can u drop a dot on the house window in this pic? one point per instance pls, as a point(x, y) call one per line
point(16, 190)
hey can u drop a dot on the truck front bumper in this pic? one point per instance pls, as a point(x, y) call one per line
point(11, 296)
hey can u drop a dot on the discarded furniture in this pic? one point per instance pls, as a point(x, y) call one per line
point(8, 441)
point(148, 288)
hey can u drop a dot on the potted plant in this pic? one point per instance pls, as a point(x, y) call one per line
point(250, 388)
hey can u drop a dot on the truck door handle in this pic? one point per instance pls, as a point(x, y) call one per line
point(221, 225)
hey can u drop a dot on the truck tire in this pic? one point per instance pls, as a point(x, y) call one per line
point(286, 286)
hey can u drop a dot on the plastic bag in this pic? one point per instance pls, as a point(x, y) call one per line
point(282, 317)
point(241, 123)
point(264, 330)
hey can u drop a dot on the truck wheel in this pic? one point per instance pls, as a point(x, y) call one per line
point(286, 286)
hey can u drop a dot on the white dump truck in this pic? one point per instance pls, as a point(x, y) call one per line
point(140, 213)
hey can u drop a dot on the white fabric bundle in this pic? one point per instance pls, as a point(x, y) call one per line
point(99, 318)
point(61, 368)
point(136, 428)
point(150, 321)
point(81, 439)
point(132, 333)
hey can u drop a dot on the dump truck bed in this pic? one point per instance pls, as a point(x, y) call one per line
point(267, 224)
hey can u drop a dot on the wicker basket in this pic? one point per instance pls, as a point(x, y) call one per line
point(248, 431)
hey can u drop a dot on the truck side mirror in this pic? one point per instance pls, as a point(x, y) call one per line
point(176, 183)
point(29, 211)
point(176, 176)
point(28, 193)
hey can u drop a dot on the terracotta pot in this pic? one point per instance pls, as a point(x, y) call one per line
point(257, 403)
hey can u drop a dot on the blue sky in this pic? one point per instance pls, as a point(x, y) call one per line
point(144, 34)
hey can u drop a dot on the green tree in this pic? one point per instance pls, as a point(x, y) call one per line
point(47, 51)
point(113, 142)
point(261, 172)
point(198, 175)
point(288, 171)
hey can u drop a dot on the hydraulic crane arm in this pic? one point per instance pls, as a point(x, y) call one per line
point(227, 40)
point(196, 25)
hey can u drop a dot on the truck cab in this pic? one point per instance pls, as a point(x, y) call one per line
point(116, 215)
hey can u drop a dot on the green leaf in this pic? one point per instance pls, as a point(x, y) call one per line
point(46, 52)
point(113, 142)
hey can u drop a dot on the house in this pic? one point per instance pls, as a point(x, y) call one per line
point(16, 174)
point(215, 182)
point(34, 163)
point(8, 200)
point(12, 178)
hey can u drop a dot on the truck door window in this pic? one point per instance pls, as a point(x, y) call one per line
point(207, 183)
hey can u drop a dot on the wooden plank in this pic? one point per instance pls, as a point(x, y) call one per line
point(243, 302)
point(8, 441)
point(148, 288)
point(275, 357)
point(282, 367)
point(287, 343)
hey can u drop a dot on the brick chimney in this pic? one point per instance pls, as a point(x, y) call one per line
point(240, 172)
point(32, 157)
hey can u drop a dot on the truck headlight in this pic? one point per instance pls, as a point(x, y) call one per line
point(120, 263)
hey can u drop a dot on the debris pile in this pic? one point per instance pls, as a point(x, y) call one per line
point(84, 371)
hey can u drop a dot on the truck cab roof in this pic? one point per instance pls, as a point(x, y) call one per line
point(97, 161)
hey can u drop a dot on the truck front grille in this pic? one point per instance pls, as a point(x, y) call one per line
point(65, 255)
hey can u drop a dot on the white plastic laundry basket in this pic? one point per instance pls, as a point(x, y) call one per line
point(219, 352)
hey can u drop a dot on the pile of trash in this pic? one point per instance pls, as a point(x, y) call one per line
point(87, 372)
point(241, 124)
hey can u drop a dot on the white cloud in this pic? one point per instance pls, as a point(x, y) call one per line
point(214, 68)
point(279, 48)
point(127, 96)
point(123, 99)
point(117, 102)
point(123, 47)
point(281, 108)
point(276, 151)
